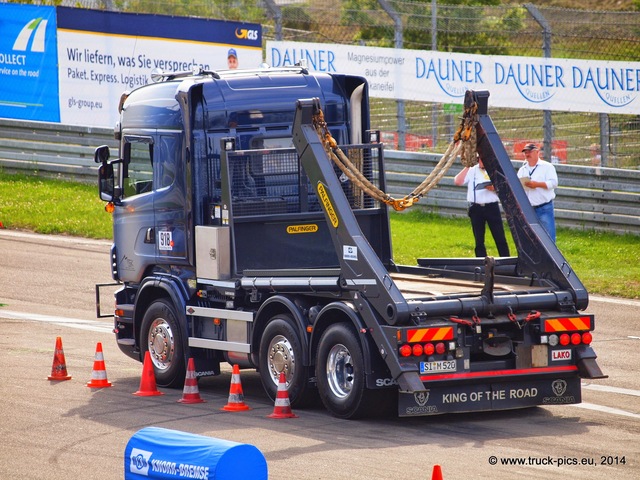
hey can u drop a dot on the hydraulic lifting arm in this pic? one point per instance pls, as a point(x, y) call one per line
point(373, 292)
point(361, 269)
point(538, 255)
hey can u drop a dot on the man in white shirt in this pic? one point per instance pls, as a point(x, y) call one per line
point(484, 208)
point(540, 180)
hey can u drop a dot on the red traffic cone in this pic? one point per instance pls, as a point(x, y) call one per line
point(282, 407)
point(59, 367)
point(99, 372)
point(236, 397)
point(148, 379)
point(190, 393)
point(437, 473)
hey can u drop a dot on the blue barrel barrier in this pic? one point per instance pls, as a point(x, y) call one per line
point(155, 452)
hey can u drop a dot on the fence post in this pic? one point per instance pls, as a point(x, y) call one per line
point(277, 17)
point(546, 50)
point(434, 47)
point(604, 139)
point(398, 43)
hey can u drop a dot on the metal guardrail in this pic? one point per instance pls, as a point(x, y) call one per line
point(588, 198)
point(52, 150)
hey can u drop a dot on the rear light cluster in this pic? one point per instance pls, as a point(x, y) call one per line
point(559, 330)
point(419, 349)
point(565, 339)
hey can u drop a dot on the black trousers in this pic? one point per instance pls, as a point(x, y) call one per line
point(488, 214)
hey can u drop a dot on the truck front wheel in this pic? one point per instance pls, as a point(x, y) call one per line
point(281, 351)
point(340, 372)
point(161, 335)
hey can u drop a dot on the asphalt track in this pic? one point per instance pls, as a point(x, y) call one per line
point(64, 430)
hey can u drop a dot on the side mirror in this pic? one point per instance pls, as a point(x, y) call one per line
point(101, 154)
point(106, 182)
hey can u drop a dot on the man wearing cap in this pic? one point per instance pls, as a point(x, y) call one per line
point(484, 208)
point(540, 180)
point(232, 59)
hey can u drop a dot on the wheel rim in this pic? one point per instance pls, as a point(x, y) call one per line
point(281, 359)
point(161, 344)
point(340, 371)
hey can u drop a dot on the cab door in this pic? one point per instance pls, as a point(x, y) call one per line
point(133, 217)
point(170, 200)
point(150, 221)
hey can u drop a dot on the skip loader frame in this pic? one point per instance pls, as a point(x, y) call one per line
point(533, 381)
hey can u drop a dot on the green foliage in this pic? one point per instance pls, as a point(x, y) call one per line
point(475, 31)
point(463, 35)
point(296, 17)
point(247, 10)
point(365, 15)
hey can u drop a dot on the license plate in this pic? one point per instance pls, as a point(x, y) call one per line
point(438, 367)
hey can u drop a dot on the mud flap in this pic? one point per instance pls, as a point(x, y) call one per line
point(490, 396)
point(587, 365)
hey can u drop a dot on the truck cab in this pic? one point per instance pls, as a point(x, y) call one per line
point(169, 178)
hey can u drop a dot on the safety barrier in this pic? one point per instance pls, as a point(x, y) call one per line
point(52, 150)
point(588, 198)
point(155, 452)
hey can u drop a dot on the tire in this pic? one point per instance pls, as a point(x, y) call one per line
point(162, 336)
point(341, 378)
point(281, 350)
point(340, 372)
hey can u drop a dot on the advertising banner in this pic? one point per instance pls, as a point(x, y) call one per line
point(514, 82)
point(28, 63)
point(102, 54)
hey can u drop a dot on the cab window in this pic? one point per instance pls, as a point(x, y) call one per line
point(138, 161)
point(167, 156)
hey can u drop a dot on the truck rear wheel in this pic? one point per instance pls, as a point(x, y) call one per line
point(281, 351)
point(340, 373)
point(161, 335)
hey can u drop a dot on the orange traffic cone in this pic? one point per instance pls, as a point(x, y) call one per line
point(437, 473)
point(236, 397)
point(190, 393)
point(282, 407)
point(99, 372)
point(148, 380)
point(59, 367)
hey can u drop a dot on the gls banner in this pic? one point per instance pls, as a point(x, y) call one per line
point(515, 82)
point(28, 63)
point(102, 54)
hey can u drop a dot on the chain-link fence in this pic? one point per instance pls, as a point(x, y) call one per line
point(492, 30)
point(523, 30)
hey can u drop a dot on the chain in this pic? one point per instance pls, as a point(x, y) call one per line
point(467, 133)
point(463, 144)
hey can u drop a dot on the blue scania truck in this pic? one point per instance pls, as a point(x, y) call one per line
point(237, 239)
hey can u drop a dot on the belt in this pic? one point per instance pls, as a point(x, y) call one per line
point(543, 204)
point(482, 204)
